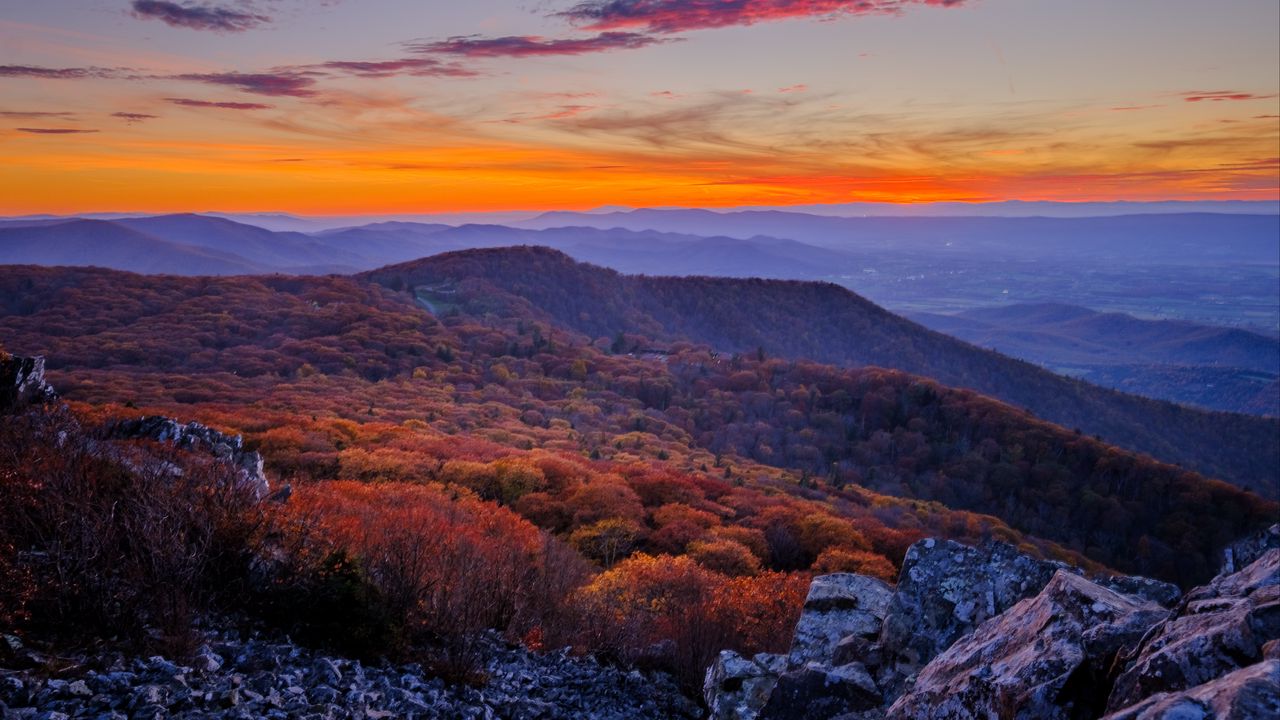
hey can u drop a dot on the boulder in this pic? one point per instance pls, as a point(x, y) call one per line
point(1161, 593)
point(22, 382)
point(1217, 629)
point(1245, 552)
point(737, 688)
point(837, 607)
point(818, 691)
point(1045, 658)
point(1251, 692)
point(947, 589)
point(196, 437)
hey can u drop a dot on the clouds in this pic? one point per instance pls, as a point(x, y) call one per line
point(276, 84)
point(1221, 95)
point(133, 117)
point(515, 46)
point(198, 17)
point(47, 73)
point(53, 131)
point(34, 115)
point(668, 16)
point(188, 102)
point(417, 67)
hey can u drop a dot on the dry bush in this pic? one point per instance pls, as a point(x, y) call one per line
point(116, 539)
point(441, 566)
point(669, 612)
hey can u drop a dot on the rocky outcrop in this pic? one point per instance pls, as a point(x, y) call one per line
point(947, 589)
point(233, 678)
point(988, 632)
point(196, 437)
point(1244, 552)
point(22, 382)
point(737, 688)
point(817, 690)
point(1251, 692)
point(837, 607)
point(1044, 658)
point(1217, 629)
point(840, 609)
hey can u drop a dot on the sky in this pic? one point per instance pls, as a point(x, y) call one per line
point(414, 106)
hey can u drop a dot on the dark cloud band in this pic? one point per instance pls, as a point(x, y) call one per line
point(198, 17)
point(188, 102)
point(665, 16)
point(282, 84)
point(473, 46)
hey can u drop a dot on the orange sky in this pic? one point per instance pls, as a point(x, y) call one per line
point(341, 110)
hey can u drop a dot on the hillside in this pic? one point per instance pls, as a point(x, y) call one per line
point(829, 324)
point(107, 244)
point(1212, 367)
point(189, 244)
point(1067, 334)
point(1175, 238)
point(338, 378)
point(285, 251)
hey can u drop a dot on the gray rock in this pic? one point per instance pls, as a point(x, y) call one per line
point(818, 691)
point(22, 382)
point(838, 606)
point(79, 688)
point(1161, 593)
point(197, 437)
point(206, 660)
point(1040, 660)
point(279, 680)
point(1243, 553)
point(857, 648)
point(1217, 629)
point(946, 589)
point(326, 672)
point(1252, 692)
point(737, 688)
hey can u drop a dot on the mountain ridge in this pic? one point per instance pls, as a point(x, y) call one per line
point(604, 303)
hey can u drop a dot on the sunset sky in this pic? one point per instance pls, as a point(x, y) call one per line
point(377, 106)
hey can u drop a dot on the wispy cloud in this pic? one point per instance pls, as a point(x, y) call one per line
point(48, 73)
point(666, 16)
point(1221, 95)
point(197, 16)
point(33, 115)
point(188, 102)
point(561, 113)
point(475, 46)
point(133, 117)
point(276, 84)
point(53, 131)
point(421, 67)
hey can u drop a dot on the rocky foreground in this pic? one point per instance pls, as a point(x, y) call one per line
point(257, 678)
point(990, 633)
point(967, 633)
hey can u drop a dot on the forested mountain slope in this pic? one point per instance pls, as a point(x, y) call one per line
point(785, 461)
point(829, 324)
point(1063, 334)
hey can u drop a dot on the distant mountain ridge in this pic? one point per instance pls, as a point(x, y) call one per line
point(1006, 208)
point(827, 323)
point(109, 244)
point(1213, 367)
point(1174, 238)
point(1070, 333)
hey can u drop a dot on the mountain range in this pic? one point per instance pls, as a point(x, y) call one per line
point(829, 324)
point(1218, 368)
point(817, 321)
